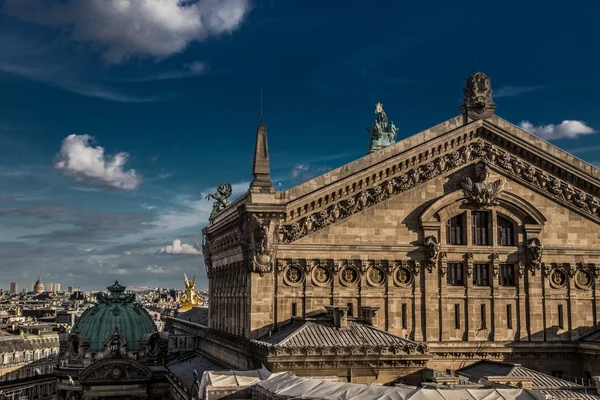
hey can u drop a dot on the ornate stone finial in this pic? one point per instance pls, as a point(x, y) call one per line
point(383, 133)
point(261, 168)
point(477, 100)
point(221, 197)
point(481, 193)
point(116, 289)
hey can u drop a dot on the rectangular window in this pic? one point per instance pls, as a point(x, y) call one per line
point(479, 223)
point(481, 275)
point(509, 316)
point(561, 323)
point(350, 309)
point(505, 232)
point(404, 316)
point(483, 317)
point(294, 309)
point(457, 316)
point(454, 230)
point(455, 274)
point(507, 275)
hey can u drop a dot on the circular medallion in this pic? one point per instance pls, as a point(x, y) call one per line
point(293, 275)
point(321, 276)
point(375, 276)
point(403, 276)
point(349, 276)
point(116, 373)
point(558, 278)
point(583, 279)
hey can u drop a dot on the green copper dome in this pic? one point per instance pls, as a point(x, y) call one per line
point(115, 312)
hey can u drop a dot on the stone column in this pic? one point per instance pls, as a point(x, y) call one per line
point(469, 286)
point(418, 295)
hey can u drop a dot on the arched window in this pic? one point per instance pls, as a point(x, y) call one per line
point(506, 232)
point(455, 231)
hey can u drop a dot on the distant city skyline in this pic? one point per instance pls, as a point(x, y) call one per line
point(110, 143)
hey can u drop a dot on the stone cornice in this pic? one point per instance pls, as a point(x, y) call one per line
point(535, 175)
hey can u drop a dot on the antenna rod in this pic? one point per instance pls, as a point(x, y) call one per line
point(261, 103)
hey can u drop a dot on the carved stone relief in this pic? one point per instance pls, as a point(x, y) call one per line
point(481, 193)
point(432, 252)
point(534, 253)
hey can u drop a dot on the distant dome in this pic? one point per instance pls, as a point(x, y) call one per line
point(115, 312)
point(38, 286)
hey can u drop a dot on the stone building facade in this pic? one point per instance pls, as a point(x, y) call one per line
point(474, 237)
point(27, 366)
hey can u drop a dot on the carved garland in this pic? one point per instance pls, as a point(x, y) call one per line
point(512, 165)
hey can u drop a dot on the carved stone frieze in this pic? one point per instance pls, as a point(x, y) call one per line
point(114, 370)
point(380, 192)
point(408, 348)
point(513, 166)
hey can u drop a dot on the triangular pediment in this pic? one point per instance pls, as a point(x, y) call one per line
point(442, 150)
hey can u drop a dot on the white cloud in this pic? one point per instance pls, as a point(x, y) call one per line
point(305, 172)
point(155, 269)
point(512, 91)
point(193, 212)
point(197, 67)
point(119, 271)
point(126, 28)
point(567, 129)
point(180, 248)
point(84, 163)
point(298, 170)
point(62, 77)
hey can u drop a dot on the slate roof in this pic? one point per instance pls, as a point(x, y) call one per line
point(592, 337)
point(197, 315)
point(559, 388)
point(18, 343)
point(184, 368)
point(324, 333)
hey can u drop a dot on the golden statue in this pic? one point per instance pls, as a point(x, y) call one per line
point(190, 297)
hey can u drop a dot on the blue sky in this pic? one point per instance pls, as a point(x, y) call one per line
point(117, 117)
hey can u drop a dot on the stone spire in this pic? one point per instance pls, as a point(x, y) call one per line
point(261, 169)
point(477, 100)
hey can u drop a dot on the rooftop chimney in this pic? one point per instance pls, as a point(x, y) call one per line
point(339, 315)
point(368, 313)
